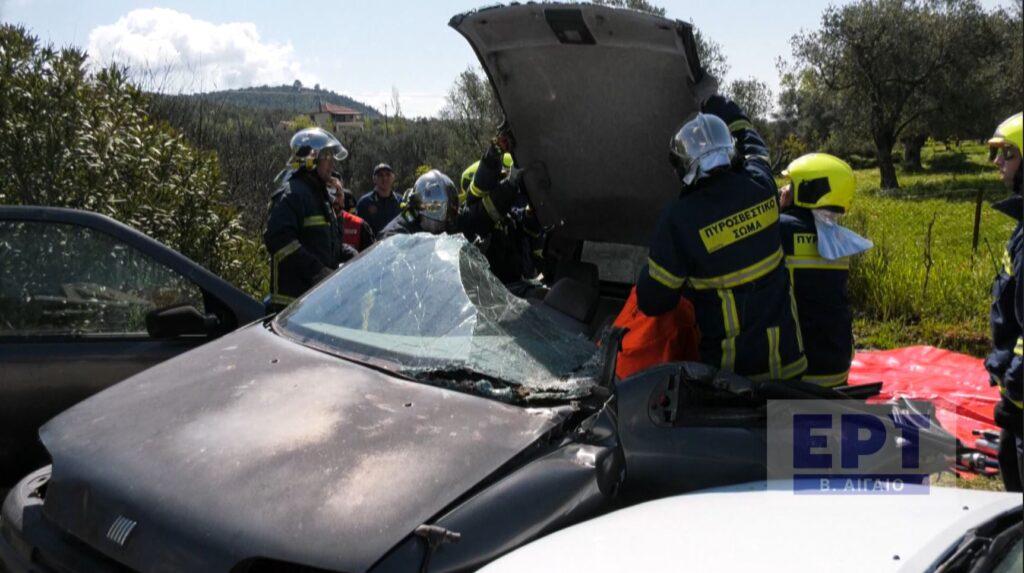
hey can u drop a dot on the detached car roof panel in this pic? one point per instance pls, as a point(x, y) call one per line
point(592, 95)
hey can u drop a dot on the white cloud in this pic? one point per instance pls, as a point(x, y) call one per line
point(173, 51)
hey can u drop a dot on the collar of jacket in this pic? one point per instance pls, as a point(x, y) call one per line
point(1011, 206)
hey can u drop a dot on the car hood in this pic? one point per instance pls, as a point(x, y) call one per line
point(766, 527)
point(254, 446)
point(593, 96)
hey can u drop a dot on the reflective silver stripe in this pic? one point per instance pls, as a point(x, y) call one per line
point(731, 322)
point(796, 316)
point(742, 276)
point(314, 221)
point(276, 259)
point(774, 361)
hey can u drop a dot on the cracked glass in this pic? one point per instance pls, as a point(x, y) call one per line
point(428, 307)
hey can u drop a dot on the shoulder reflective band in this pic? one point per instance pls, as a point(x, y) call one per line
point(476, 191)
point(827, 380)
point(742, 276)
point(805, 244)
point(664, 277)
point(820, 263)
point(314, 221)
point(739, 225)
point(1019, 348)
point(740, 124)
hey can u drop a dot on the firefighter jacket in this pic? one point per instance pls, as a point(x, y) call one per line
point(303, 238)
point(1004, 363)
point(404, 224)
point(355, 232)
point(721, 241)
point(495, 218)
point(822, 299)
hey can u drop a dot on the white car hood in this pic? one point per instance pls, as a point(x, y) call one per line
point(766, 527)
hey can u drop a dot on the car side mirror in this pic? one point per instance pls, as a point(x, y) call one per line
point(179, 320)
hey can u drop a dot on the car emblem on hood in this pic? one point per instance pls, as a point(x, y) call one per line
point(120, 530)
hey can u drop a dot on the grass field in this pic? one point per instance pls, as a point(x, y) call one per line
point(928, 287)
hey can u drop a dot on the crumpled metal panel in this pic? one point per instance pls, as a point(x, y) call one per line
point(429, 307)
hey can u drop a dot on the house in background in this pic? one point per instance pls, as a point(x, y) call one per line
point(342, 117)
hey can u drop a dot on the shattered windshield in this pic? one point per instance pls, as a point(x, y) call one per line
point(429, 307)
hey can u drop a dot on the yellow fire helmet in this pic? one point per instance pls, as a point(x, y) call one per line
point(1010, 131)
point(821, 180)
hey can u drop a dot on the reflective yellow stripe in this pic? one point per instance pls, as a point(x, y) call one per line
point(819, 263)
point(1016, 403)
point(827, 380)
point(791, 370)
point(276, 259)
point(774, 360)
point(731, 321)
point(476, 191)
point(1019, 349)
point(314, 221)
point(740, 124)
point(742, 276)
point(796, 314)
point(664, 277)
point(492, 211)
point(1007, 263)
point(281, 299)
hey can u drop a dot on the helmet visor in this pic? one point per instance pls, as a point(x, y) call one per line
point(701, 145)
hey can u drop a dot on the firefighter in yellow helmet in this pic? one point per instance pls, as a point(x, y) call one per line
point(818, 254)
point(1004, 362)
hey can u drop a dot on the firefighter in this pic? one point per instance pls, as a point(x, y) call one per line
point(720, 240)
point(1004, 362)
point(303, 235)
point(497, 215)
point(818, 254)
point(431, 206)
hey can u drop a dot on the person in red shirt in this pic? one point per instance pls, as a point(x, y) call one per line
point(355, 231)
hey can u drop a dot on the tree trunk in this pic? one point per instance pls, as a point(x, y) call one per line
point(886, 168)
point(912, 146)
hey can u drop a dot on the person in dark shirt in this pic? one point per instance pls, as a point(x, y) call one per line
point(380, 206)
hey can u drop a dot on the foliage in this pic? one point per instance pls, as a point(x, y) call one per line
point(887, 282)
point(71, 139)
point(641, 5)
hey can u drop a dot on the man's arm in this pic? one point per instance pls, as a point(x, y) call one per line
point(366, 237)
point(661, 280)
point(748, 142)
point(282, 240)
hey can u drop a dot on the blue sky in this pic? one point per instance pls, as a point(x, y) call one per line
point(361, 49)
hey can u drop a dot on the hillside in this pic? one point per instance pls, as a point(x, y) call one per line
point(285, 98)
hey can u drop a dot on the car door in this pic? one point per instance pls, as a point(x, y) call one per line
point(75, 289)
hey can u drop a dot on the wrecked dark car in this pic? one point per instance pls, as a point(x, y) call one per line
point(409, 413)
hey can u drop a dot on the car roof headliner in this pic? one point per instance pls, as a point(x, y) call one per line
point(592, 95)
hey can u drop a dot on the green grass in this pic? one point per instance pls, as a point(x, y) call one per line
point(892, 305)
point(949, 479)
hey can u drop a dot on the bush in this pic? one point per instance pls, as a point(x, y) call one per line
point(73, 139)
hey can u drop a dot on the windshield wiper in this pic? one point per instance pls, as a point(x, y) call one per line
point(988, 540)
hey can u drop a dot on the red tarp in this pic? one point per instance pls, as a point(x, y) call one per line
point(956, 384)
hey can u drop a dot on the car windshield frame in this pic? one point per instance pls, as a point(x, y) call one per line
point(427, 308)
